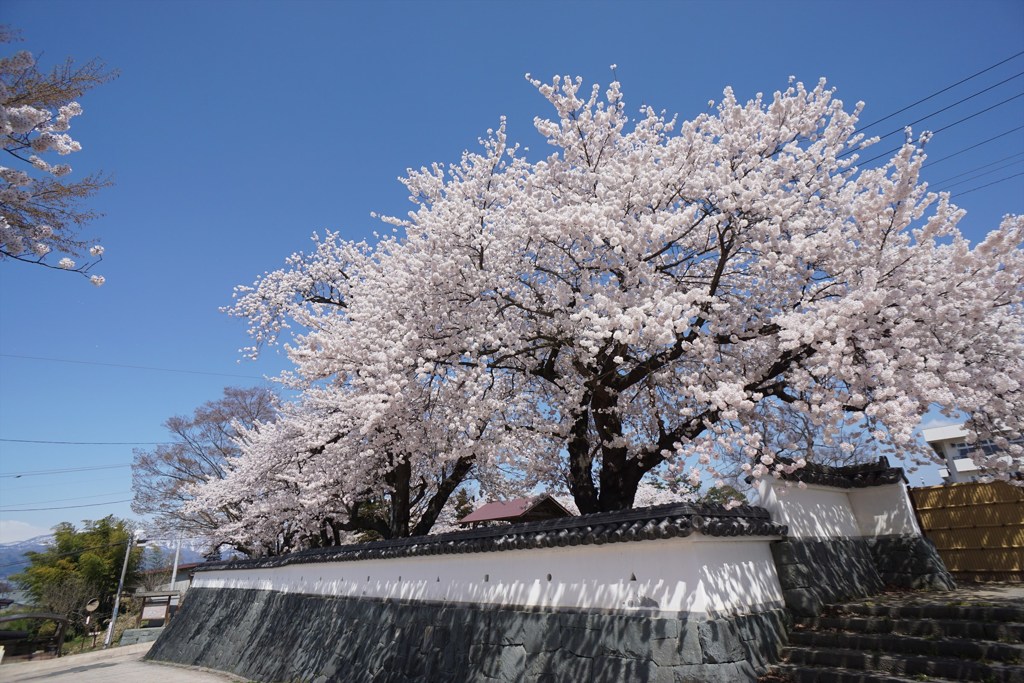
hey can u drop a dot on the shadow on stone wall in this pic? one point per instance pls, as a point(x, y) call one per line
point(816, 572)
point(910, 562)
point(271, 636)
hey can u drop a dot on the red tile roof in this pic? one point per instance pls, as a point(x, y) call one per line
point(516, 508)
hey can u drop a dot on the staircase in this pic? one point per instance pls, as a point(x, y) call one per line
point(900, 640)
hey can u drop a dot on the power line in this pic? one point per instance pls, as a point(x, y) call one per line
point(68, 507)
point(939, 92)
point(20, 486)
point(61, 500)
point(92, 443)
point(978, 113)
point(994, 182)
point(946, 108)
point(66, 470)
point(947, 127)
point(978, 168)
point(132, 367)
point(982, 175)
point(967, 149)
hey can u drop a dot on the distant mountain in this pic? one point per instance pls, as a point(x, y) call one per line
point(191, 550)
point(12, 555)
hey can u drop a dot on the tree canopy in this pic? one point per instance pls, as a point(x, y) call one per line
point(651, 299)
point(202, 448)
point(80, 565)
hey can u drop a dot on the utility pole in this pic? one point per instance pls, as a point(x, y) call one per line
point(136, 537)
point(177, 554)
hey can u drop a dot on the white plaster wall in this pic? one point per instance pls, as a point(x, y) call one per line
point(721, 576)
point(829, 512)
point(882, 510)
point(815, 511)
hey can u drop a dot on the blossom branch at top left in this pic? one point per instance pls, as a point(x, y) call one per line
point(41, 212)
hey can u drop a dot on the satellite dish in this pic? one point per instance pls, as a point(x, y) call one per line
point(92, 605)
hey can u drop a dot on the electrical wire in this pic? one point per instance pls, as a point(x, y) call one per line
point(967, 149)
point(62, 500)
point(132, 367)
point(91, 443)
point(65, 470)
point(894, 131)
point(946, 127)
point(978, 168)
point(19, 486)
point(68, 507)
point(939, 92)
point(982, 175)
point(994, 182)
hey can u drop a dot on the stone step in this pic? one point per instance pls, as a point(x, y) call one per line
point(1005, 631)
point(910, 645)
point(974, 612)
point(907, 666)
point(831, 674)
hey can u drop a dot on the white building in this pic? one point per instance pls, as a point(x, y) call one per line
point(950, 442)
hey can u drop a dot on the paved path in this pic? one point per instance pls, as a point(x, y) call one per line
point(116, 665)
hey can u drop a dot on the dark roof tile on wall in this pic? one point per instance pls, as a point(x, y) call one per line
point(638, 524)
point(848, 477)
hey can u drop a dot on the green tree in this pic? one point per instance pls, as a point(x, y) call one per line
point(80, 565)
point(721, 495)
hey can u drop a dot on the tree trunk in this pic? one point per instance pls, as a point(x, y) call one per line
point(398, 513)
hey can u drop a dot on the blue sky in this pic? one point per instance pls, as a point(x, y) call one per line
point(237, 129)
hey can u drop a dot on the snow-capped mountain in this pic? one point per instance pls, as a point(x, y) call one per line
point(12, 554)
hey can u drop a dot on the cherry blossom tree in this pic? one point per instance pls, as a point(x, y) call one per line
point(41, 210)
point(359, 454)
point(201, 449)
point(655, 294)
point(653, 286)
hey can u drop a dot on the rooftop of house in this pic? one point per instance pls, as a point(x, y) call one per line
point(532, 509)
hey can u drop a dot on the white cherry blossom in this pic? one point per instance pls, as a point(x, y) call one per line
point(655, 297)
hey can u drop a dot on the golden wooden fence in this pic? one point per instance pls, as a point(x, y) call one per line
point(978, 529)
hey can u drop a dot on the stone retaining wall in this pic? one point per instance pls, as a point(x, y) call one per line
point(675, 593)
point(814, 572)
point(274, 636)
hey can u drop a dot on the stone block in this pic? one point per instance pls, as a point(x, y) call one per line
point(684, 649)
point(803, 602)
point(512, 663)
point(562, 665)
point(541, 635)
point(795, 576)
point(706, 673)
point(618, 669)
point(720, 641)
point(663, 628)
point(785, 552)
